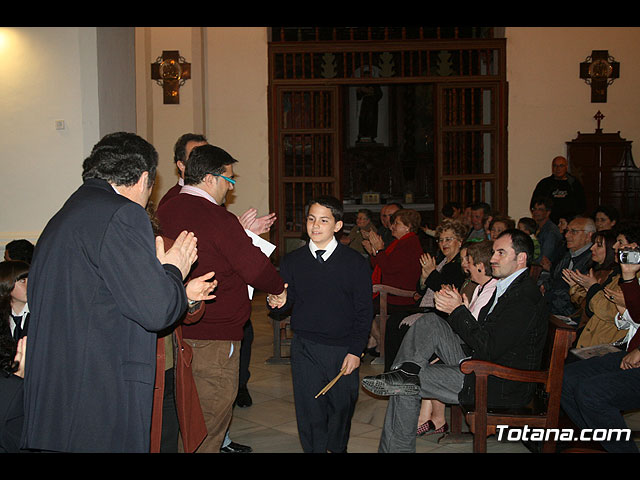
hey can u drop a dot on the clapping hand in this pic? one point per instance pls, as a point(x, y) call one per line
point(574, 277)
point(616, 297)
point(200, 289)
point(258, 225)
point(447, 299)
point(428, 264)
point(375, 241)
point(182, 253)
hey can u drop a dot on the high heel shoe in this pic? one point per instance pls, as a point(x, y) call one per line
point(428, 428)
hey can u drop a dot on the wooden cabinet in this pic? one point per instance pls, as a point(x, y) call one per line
point(604, 165)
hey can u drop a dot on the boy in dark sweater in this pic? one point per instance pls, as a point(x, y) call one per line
point(329, 289)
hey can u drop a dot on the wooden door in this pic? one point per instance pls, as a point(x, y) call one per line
point(470, 144)
point(306, 152)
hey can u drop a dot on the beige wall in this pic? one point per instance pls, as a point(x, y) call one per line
point(237, 109)
point(53, 75)
point(162, 124)
point(549, 103)
point(226, 99)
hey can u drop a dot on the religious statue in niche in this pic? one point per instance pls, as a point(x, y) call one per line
point(368, 96)
point(368, 106)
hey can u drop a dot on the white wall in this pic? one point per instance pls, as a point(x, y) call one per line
point(226, 99)
point(52, 76)
point(237, 110)
point(549, 103)
point(163, 124)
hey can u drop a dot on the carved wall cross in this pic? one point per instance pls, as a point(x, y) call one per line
point(171, 71)
point(599, 70)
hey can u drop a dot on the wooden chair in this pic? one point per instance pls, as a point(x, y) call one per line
point(281, 321)
point(384, 291)
point(544, 410)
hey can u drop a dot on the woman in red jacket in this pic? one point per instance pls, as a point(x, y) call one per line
point(398, 266)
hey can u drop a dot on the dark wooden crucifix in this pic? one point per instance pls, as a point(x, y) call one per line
point(171, 71)
point(599, 70)
point(598, 116)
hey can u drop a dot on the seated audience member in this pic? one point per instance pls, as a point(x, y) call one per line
point(529, 226)
point(605, 217)
point(19, 250)
point(499, 224)
point(487, 223)
point(452, 211)
point(478, 259)
point(448, 271)
point(397, 266)
point(14, 309)
point(360, 231)
point(596, 392)
point(434, 275)
point(480, 211)
point(563, 224)
point(384, 232)
point(597, 312)
point(11, 392)
point(466, 217)
point(628, 238)
point(468, 285)
point(510, 330)
point(577, 258)
point(551, 242)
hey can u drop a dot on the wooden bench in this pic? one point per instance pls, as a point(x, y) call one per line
point(544, 410)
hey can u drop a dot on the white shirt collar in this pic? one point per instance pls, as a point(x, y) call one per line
point(181, 181)
point(198, 192)
point(328, 250)
point(502, 285)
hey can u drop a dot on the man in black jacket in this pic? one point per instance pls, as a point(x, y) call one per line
point(564, 189)
point(99, 288)
point(510, 330)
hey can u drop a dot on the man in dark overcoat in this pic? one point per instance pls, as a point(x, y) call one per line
point(100, 287)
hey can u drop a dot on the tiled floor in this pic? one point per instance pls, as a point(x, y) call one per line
point(269, 425)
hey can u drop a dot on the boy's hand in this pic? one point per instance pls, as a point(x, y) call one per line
point(277, 301)
point(350, 363)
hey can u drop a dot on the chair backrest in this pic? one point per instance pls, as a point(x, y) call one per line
point(560, 338)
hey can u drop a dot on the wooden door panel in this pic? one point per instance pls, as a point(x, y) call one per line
point(306, 153)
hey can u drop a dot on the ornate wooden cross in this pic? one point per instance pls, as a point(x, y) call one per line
point(171, 71)
point(599, 70)
point(598, 116)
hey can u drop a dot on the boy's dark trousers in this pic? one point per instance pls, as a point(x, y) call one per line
point(324, 423)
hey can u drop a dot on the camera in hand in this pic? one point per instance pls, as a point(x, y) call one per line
point(629, 256)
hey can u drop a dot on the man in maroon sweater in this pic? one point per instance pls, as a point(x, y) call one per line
point(181, 151)
point(225, 248)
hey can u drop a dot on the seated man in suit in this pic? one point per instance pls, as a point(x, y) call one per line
point(510, 330)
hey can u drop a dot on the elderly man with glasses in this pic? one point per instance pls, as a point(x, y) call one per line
point(577, 258)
